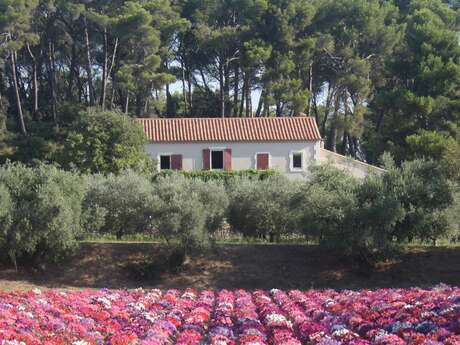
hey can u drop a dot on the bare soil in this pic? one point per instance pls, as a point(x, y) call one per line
point(107, 265)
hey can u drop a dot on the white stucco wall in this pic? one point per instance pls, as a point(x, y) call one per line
point(243, 154)
point(352, 166)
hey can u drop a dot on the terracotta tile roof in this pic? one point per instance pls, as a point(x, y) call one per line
point(231, 129)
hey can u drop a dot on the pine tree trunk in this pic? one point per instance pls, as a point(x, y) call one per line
point(190, 94)
point(261, 102)
point(88, 64)
point(52, 80)
point(235, 90)
point(227, 89)
point(248, 96)
point(70, 95)
point(184, 91)
point(34, 81)
point(221, 89)
point(243, 95)
point(16, 92)
point(112, 73)
point(127, 103)
point(310, 88)
point(104, 72)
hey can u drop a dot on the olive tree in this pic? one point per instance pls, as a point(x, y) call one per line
point(261, 208)
point(180, 216)
point(45, 205)
point(119, 204)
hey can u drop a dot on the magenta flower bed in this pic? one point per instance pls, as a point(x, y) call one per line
point(190, 317)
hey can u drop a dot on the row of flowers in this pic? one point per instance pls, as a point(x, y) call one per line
point(189, 317)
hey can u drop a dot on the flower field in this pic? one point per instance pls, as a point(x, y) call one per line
point(154, 317)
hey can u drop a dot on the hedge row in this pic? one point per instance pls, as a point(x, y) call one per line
point(226, 176)
point(44, 210)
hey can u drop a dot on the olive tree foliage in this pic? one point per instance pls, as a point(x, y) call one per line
point(6, 207)
point(45, 211)
point(322, 205)
point(425, 193)
point(261, 208)
point(118, 204)
point(454, 216)
point(213, 195)
point(378, 214)
point(180, 216)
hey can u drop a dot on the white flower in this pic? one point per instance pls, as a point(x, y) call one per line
point(139, 306)
point(13, 342)
point(37, 291)
point(80, 342)
point(107, 304)
point(42, 301)
point(151, 317)
point(276, 318)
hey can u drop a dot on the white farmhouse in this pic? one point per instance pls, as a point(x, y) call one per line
point(286, 144)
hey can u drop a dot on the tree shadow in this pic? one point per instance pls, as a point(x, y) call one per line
point(106, 265)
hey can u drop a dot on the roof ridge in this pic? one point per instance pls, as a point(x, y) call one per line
point(231, 129)
point(227, 118)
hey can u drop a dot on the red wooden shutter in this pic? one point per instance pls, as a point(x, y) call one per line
point(228, 159)
point(263, 160)
point(206, 159)
point(176, 162)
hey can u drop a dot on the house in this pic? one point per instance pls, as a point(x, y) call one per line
point(289, 145)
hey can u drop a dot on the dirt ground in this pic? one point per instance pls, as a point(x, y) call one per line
point(103, 265)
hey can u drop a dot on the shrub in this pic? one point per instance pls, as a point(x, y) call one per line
point(425, 193)
point(374, 216)
point(6, 208)
point(45, 213)
point(105, 142)
point(261, 208)
point(454, 216)
point(119, 204)
point(323, 204)
point(180, 216)
point(226, 176)
point(213, 196)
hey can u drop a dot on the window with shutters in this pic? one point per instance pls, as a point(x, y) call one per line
point(262, 161)
point(165, 162)
point(217, 159)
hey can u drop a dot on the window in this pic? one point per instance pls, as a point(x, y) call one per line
point(165, 162)
point(262, 161)
point(217, 160)
point(296, 161)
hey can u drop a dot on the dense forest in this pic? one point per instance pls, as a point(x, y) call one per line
point(378, 75)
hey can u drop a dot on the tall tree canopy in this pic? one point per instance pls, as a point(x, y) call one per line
point(378, 75)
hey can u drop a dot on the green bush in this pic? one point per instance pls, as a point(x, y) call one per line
point(118, 204)
point(226, 176)
point(104, 142)
point(261, 208)
point(453, 215)
point(6, 208)
point(213, 196)
point(45, 213)
point(323, 204)
point(180, 216)
point(373, 217)
point(425, 193)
